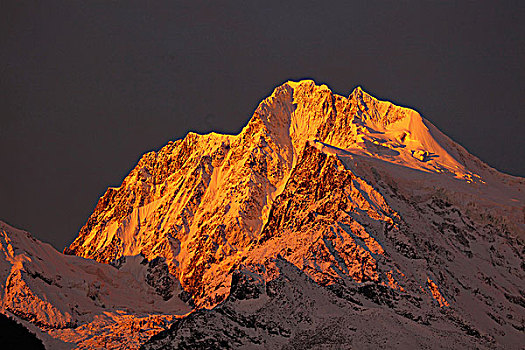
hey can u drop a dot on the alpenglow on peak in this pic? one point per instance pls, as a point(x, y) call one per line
point(326, 220)
point(225, 185)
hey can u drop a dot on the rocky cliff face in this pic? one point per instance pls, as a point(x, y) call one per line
point(201, 201)
point(324, 211)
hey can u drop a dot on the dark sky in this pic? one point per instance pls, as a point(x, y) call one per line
point(87, 87)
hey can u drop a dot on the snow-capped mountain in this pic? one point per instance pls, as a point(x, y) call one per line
point(328, 221)
point(83, 303)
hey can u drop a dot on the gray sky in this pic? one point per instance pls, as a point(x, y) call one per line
point(89, 86)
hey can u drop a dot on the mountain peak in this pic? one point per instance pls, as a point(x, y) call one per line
point(369, 107)
point(226, 185)
point(353, 206)
point(304, 82)
point(358, 91)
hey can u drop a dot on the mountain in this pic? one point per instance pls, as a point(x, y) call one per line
point(68, 300)
point(328, 221)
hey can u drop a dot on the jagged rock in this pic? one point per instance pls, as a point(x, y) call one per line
point(159, 277)
point(246, 285)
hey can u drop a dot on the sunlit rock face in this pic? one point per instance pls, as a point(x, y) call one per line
point(325, 211)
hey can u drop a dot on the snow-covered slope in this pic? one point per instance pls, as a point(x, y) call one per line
point(335, 211)
point(287, 310)
point(80, 302)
